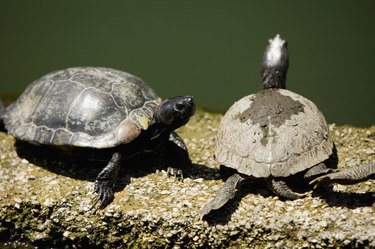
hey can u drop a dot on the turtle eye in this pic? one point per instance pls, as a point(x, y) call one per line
point(179, 107)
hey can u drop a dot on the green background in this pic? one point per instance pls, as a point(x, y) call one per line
point(209, 49)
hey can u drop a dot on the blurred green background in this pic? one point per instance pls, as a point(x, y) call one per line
point(210, 49)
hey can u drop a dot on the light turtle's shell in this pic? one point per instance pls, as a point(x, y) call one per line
point(274, 132)
point(84, 106)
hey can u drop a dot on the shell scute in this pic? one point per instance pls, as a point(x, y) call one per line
point(83, 106)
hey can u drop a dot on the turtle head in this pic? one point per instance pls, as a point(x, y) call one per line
point(275, 63)
point(174, 112)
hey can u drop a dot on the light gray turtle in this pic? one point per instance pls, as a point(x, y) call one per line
point(275, 134)
point(98, 108)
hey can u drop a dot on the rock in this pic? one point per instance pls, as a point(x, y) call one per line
point(49, 205)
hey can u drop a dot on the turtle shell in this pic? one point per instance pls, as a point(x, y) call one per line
point(274, 132)
point(84, 106)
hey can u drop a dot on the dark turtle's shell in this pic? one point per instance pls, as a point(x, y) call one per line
point(274, 132)
point(83, 106)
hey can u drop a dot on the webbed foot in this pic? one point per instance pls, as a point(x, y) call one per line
point(105, 181)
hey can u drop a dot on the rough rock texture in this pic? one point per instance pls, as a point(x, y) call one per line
point(49, 205)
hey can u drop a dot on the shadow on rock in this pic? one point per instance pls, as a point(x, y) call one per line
point(86, 163)
point(331, 197)
point(344, 199)
point(202, 171)
point(297, 183)
point(223, 215)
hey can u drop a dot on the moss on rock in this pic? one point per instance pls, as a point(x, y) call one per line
point(50, 205)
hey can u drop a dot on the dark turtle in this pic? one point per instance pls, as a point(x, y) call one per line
point(98, 108)
point(275, 134)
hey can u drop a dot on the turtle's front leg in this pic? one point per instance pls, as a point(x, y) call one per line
point(177, 156)
point(349, 176)
point(105, 181)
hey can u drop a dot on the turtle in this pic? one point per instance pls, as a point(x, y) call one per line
point(275, 134)
point(99, 108)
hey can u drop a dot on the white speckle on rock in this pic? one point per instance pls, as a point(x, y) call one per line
point(165, 192)
point(157, 210)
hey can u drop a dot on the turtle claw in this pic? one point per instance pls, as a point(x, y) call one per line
point(105, 181)
point(177, 173)
point(105, 195)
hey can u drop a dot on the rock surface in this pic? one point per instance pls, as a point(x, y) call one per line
point(49, 205)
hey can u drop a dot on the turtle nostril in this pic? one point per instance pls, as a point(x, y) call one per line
point(190, 99)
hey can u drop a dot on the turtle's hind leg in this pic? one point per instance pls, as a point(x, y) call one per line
point(317, 170)
point(226, 193)
point(281, 189)
point(346, 177)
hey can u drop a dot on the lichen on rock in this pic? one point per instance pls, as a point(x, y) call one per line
point(51, 205)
